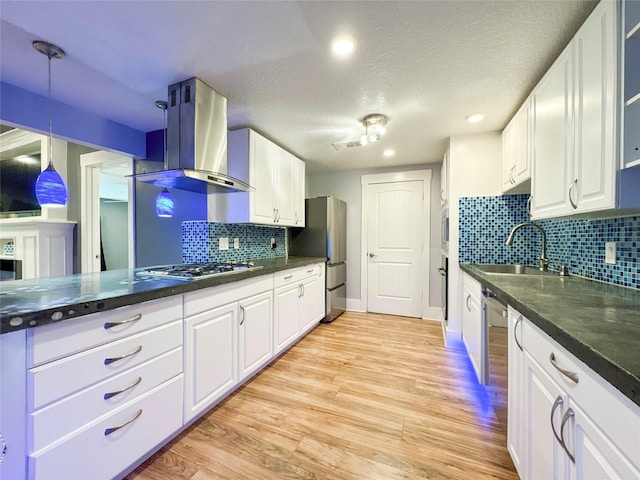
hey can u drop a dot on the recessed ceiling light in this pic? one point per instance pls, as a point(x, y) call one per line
point(342, 46)
point(475, 117)
point(389, 153)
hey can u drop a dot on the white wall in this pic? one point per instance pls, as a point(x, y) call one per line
point(346, 186)
point(475, 166)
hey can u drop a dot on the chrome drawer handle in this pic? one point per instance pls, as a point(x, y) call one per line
point(109, 431)
point(109, 325)
point(515, 329)
point(556, 404)
point(467, 302)
point(569, 413)
point(241, 314)
point(107, 361)
point(108, 395)
point(571, 375)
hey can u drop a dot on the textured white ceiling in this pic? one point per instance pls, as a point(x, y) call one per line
point(424, 64)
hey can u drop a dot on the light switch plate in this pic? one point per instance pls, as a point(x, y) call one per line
point(223, 243)
point(236, 243)
point(610, 253)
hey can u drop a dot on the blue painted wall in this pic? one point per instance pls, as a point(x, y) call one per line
point(21, 108)
point(485, 223)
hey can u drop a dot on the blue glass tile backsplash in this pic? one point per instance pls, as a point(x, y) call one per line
point(200, 242)
point(485, 223)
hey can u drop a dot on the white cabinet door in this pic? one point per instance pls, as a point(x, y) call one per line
point(311, 303)
point(522, 151)
point(515, 408)
point(595, 122)
point(299, 213)
point(474, 328)
point(285, 316)
point(596, 457)
point(255, 333)
point(286, 188)
point(444, 180)
point(508, 155)
point(545, 403)
point(210, 351)
point(263, 170)
point(553, 139)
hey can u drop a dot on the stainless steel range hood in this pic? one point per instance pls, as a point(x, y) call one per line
point(196, 142)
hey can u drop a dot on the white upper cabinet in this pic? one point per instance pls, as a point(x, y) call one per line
point(516, 152)
point(276, 176)
point(444, 180)
point(631, 45)
point(575, 123)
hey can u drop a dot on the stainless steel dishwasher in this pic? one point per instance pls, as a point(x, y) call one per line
point(494, 318)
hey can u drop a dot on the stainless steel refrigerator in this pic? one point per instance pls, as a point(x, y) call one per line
point(325, 235)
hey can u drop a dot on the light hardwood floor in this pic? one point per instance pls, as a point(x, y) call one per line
point(366, 397)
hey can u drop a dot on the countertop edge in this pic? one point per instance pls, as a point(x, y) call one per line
point(74, 310)
point(624, 381)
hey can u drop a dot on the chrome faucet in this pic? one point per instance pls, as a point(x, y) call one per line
point(543, 261)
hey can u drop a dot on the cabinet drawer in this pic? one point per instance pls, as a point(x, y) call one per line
point(295, 275)
point(618, 416)
point(72, 413)
point(56, 340)
point(66, 376)
point(202, 300)
point(90, 454)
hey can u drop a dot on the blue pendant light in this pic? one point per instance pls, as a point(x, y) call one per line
point(50, 188)
point(165, 203)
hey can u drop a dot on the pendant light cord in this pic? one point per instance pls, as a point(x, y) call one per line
point(50, 121)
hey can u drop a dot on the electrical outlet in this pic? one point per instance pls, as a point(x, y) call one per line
point(236, 243)
point(610, 253)
point(273, 243)
point(223, 243)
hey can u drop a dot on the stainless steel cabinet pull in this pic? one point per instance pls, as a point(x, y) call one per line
point(574, 205)
point(108, 395)
point(515, 328)
point(568, 414)
point(371, 255)
point(109, 431)
point(109, 325)
point(275, 216)
point(467, 302)
point(571, 375)
point(299, 290)
point(296, 218)
point(310, 271)
point(288, 277)
point(442, 271)
point(529, 205)
point(302, 285)
point(107, 361)
point(556, 404)
point(241, 314)
point(512, 178)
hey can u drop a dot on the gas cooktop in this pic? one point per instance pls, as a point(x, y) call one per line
point(199, 271)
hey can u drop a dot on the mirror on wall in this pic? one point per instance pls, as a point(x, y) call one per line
point(20, 165)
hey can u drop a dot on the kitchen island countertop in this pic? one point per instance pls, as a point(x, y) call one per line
point(34, 302)
point(597, 322)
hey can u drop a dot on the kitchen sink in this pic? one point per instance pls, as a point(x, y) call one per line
point(510, 269)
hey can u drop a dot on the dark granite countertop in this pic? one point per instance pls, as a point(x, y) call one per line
point(29, 303)
point(597, 322)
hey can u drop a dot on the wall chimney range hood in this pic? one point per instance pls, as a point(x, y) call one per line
point(196, 142)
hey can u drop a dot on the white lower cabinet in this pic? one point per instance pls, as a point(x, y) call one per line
point(298, 303)
point(210, 358)
point(256, 333)
point(573, 424)
point(516, 383)
point(474, 328)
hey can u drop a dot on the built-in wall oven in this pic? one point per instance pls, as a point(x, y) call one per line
point(444, 291)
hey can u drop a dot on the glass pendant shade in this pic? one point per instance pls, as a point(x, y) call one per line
point(165, 204)
point(50, 189)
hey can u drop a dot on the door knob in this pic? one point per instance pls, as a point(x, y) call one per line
point(371, 255)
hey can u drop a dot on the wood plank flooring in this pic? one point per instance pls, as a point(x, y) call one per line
point(366, 397)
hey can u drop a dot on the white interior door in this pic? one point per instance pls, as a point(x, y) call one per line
point(394, 248)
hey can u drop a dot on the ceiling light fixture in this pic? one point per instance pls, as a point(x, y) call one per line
point(342, 46)
point(50, 188)
point(475, 117)
point(165, 203)
point(374, 127)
